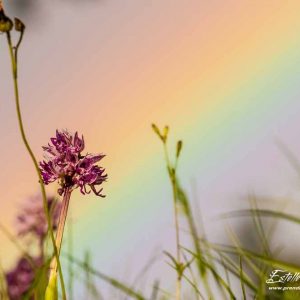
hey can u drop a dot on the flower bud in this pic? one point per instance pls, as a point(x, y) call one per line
point(6, 23)
point(163, 136)
point(156, 130)
point(179, 147)
point(51, 291)
point(165, 133)
point(19, 25)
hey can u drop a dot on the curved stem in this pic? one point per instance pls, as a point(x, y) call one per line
point(31, 154)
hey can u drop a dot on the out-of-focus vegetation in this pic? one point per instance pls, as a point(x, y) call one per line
point(203, 269)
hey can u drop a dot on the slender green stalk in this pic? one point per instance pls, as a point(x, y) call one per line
point(172, 175)
point(225, 269)
point(241, 277)
point(87, 275)
point(13, 51)
point(193, 282)
point(193, 230)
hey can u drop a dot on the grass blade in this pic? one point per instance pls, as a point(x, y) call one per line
point(113, 282)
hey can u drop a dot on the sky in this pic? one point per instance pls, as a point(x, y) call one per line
point(222, 74)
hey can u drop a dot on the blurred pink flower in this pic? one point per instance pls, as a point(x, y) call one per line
point(20, 279)
point(32, 218)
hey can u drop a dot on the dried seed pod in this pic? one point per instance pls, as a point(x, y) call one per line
point(19, 25)
point(6, 23)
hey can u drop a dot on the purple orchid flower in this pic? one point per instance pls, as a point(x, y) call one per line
point(65, 163)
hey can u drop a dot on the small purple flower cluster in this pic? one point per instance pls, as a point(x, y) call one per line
point(32, 219)
point(65, 163)
point(20, 279)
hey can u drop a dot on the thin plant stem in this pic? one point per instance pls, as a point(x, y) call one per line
point(241, 276)
point(172, 176)
point(193, 282)
point(178, 283)
point(87, 275)
point(13, 56)
point(60, 229)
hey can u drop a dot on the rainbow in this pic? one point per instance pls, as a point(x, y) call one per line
point(224, 77)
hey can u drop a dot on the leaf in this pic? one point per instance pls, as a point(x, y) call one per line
point(264, 213)
point(115, 283)
point(51, 290)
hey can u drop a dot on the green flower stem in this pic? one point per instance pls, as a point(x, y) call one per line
point(13, 57)
point(172, 176)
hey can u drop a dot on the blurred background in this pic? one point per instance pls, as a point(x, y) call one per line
point(223, 75)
